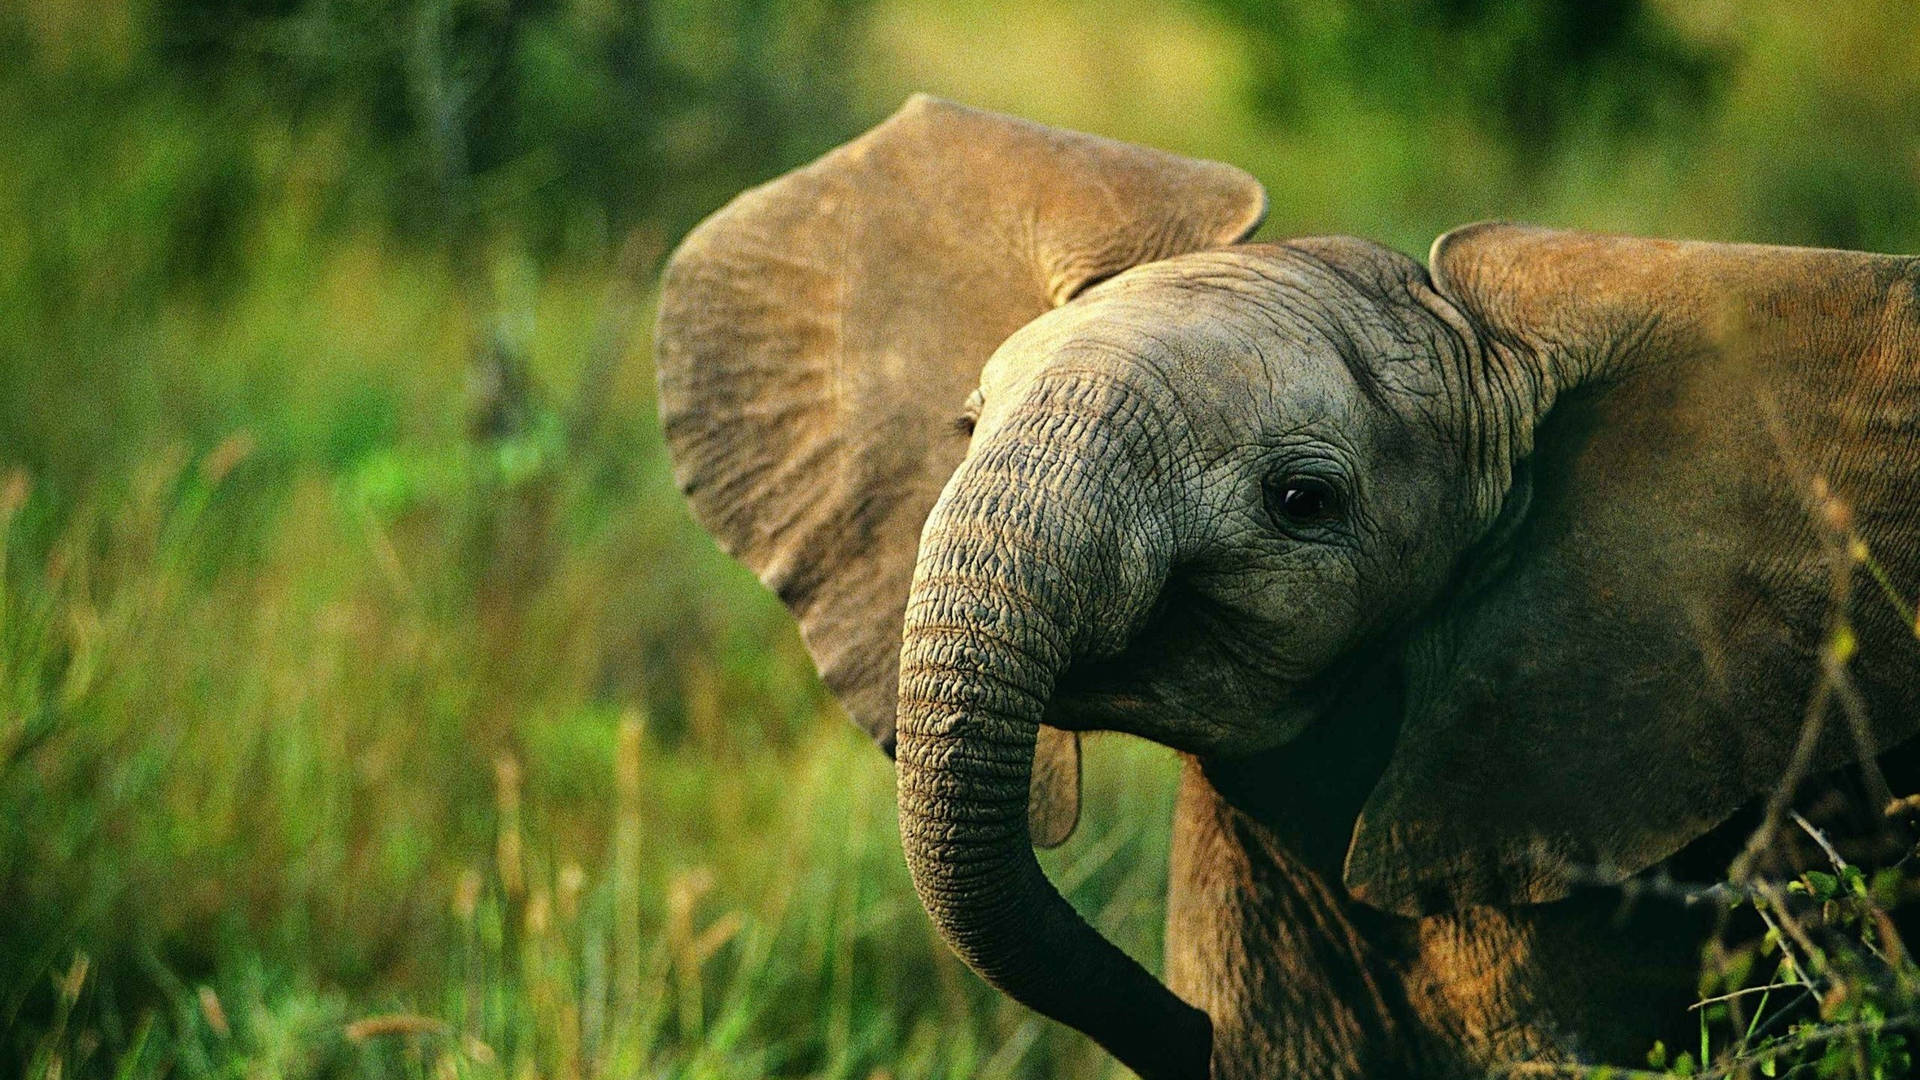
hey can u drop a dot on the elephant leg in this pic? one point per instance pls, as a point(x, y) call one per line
point(1271, 951)
point(1589, 979)
point(1300, 980)
point(1477, 982)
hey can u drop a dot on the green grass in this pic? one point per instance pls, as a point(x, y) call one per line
point(275, 624)
point(340, 718)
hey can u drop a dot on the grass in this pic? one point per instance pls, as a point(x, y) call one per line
point(337, 739)
point(336, 763)
point(347, 746)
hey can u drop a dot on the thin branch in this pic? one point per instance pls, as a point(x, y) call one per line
point(1704, 1002)
point(1820, 838)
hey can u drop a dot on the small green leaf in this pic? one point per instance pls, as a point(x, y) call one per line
point(1855, 878)
point(1886, 887)
point(1824, 885)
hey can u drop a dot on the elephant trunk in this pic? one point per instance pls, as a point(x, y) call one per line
point(1032, 557)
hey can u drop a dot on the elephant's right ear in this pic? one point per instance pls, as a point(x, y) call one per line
point(820, 335)
point(1705, 429)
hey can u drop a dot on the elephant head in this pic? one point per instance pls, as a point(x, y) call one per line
point(1031, 445)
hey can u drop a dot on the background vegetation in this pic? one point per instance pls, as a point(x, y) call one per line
point(368, 704)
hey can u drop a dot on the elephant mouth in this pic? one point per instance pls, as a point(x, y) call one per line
point(1192, 699)
point(1085, 701)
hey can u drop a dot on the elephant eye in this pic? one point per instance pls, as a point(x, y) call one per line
point(1302, 500)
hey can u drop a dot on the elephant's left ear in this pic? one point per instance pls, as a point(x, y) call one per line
point(1688, 434)
point(820, 337)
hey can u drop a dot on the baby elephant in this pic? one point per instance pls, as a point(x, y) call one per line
point(1465, 591)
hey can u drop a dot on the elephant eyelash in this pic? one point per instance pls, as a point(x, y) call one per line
point(969, 414)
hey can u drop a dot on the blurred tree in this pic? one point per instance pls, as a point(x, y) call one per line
point(571, 121)
point(164, 150)
point(1528, 72)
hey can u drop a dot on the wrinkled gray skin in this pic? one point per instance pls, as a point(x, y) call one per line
point(1106, 554)
point(1108, 557)
point(1166, 407)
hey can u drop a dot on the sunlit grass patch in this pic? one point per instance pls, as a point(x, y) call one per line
point(329, 811)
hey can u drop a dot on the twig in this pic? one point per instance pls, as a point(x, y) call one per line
point(1703, 1002)
point(1815, 1033)
point(1819, 838)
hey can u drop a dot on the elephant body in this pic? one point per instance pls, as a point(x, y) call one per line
point(1472, 593)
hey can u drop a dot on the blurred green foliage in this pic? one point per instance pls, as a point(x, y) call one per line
point(565, 122)
point(1531, 73)
point(338, 551)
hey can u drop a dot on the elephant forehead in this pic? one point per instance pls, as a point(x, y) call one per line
point(1263, 326)
point(1334, 287)
point(1208, 379)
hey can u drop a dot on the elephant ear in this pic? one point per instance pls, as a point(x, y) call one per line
point(1700, 425)
point(819, 336)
